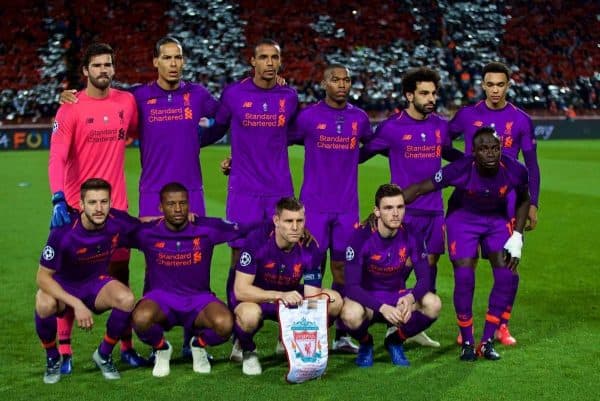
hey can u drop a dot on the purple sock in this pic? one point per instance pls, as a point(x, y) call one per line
point(499, 298)
point(246, 339)
point(46, 330)
point(508, 310)
point(154, 336)
point(116, 325)
point(464, 285)
point(209, 337)
point(361, 334)
point(433, 277)
point(416, 324)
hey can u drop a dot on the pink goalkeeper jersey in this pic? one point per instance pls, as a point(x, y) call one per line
point(88, 141)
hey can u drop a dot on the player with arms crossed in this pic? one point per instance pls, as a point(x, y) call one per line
point(272, 268)
point(516, 134)
point(478, 217)
point(331, 131)
point(88, 140)
point(376, 272)
point(73, 273)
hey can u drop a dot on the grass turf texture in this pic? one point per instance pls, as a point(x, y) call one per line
point(556, 318)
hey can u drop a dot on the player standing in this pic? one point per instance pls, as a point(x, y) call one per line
point(517, 136)
point(88, 140)
point(258, 111)
point(331, 131)
point(415, 141)
point(478, 217)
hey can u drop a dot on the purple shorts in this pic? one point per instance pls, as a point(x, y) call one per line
point(332, 231)
point(181, 310)
point(244, 208)
point(150, 203)
point(87, 291)
point(431, 228)
point(467, 231)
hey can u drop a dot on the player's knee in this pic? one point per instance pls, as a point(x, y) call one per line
point(432, 305)
point(125, 300)
point(335, 303)
point(142, 318)
point(352, 315)
point(223, 324)
point(45, 305)
point(248, 316)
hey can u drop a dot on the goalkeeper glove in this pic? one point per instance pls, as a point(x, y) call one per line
point(60, 212)
point(514, 245)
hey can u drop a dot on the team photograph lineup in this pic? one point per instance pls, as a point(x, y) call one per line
point(280, 245)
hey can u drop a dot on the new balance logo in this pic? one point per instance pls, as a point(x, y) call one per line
point(247, 105)
point(321, 126)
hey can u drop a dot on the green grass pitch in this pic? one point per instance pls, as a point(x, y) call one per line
point(556, 319)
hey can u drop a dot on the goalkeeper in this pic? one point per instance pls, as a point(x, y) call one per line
point(477, 217)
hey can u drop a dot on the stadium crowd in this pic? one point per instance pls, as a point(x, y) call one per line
point(550, 47)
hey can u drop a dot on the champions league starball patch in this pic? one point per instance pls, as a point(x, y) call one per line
point(48, 253)
point(349, 254)
point(54, 126)
point(245, 259)
point(438, 176)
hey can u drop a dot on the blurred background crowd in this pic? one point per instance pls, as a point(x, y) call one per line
point(551, 46)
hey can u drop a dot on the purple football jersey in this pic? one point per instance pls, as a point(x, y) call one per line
point(331, 140)
point(374, 263)
point(179, 261)
point(481, 194)
point(258, 119)
point(513, 126)
point(77, 254)
point(169, 141)
point(415, 153)
point(279, 270)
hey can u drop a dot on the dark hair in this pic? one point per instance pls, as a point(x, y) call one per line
point(172, 187)
point(96, 49)
point(289, 203)
point(421, 74)
point(333, 67)
point(94, 184)
point(485, 130)
point(268, 42)
point(387, 190)
point(496, 66)
point(163, 41)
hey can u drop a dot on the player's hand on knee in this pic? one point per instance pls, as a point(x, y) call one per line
point(391, 314)
point(406, 305)
point(60, 210)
